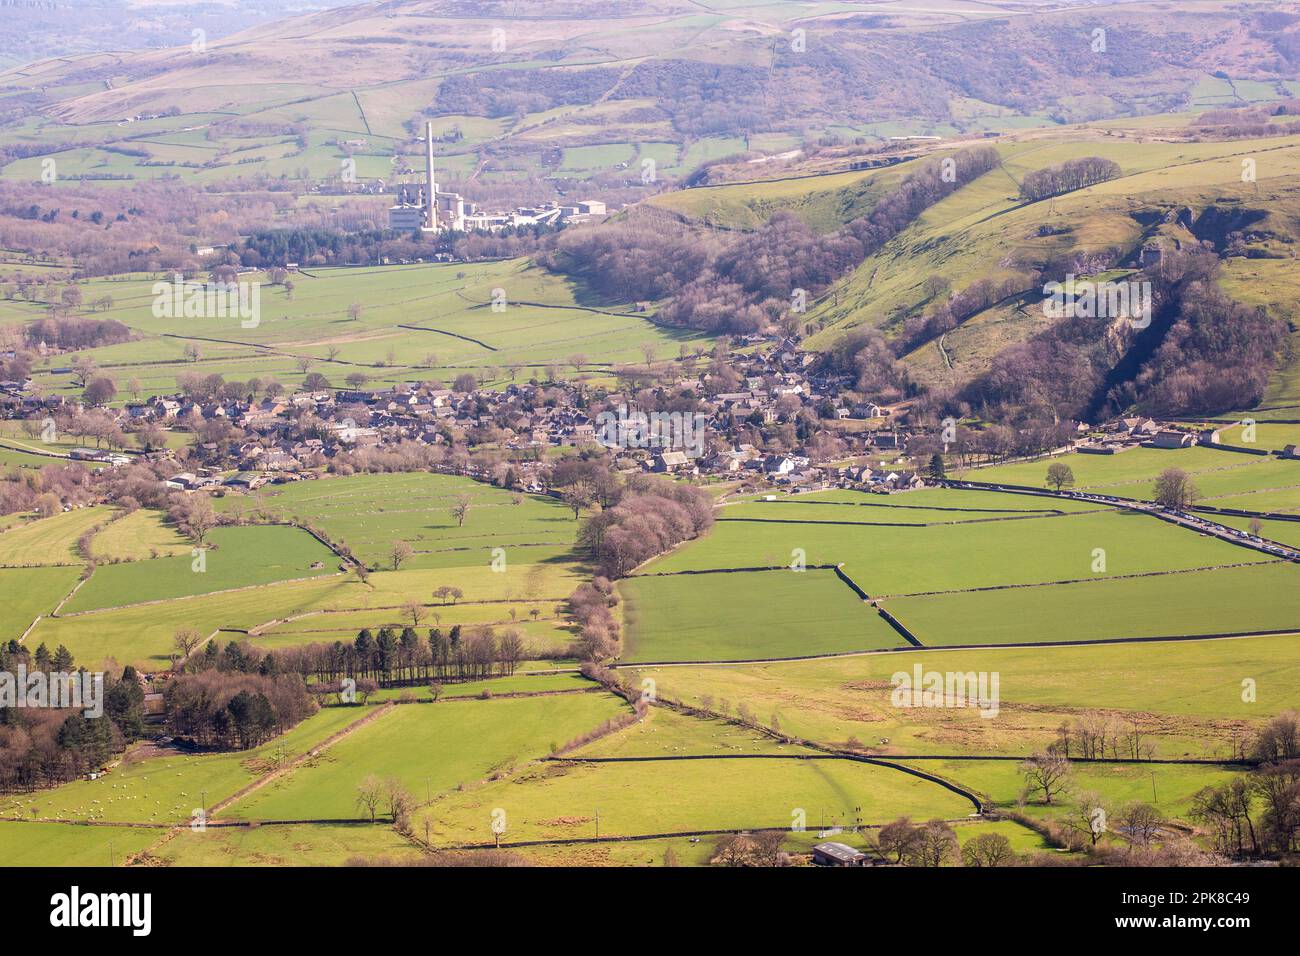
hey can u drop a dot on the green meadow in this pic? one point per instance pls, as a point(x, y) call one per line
point(1227, 600)
point(369, 512)
point(1191, 710)
point(431, 322)
point(323, 844)
point(167, 789)
point(48, 541)
point(233, 557)
point(895, 561)
point(562, 801)
point(754, 614)
point(30, 592)
point(430, 748)
point(67, 844)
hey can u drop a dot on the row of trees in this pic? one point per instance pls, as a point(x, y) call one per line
point(1067, 176)
point(395, 657)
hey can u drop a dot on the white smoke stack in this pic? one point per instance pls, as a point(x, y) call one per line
point(431, 186)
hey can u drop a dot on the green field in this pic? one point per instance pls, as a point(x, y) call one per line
point(1167, 788)
point(430, 748)
point(748, 615)
point(167, 789)
point(66, 844)
point(301, 845)
point(559, 801)
point(1228, 600)
point(895, 561)
point(235, 557)
point(52, 540)
point(30, 592)
point(140, 535)
point(1190, 710)
point(369, 512)
point(424, 322)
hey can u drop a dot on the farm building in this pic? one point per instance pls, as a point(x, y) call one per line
point(837, 854)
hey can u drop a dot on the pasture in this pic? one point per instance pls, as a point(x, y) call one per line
point(430, 748)
point(49, 541)
point(1226, 600)
point(66, 844)
point(427, 322)
point(751, 614)
point(887, 560)
point(561, 800)
point(369, 512)
point(323, 844)
point(230, 557)
point(30, 592)
point(166, 789)
point(1191, 711)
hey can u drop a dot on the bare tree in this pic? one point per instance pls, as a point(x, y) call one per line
point(1140, 823)
point(415, 611)
point(186, 640)
point(401, 550)
point(935, 846)
point(460, 510)
point(899, 839)
point(1088, 817)
point(370, 794)
point(1046, 773)
point(398, 800)
point(988, 849)
point(1175, 490)
point(1059, 475)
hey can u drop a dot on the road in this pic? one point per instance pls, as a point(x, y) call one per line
point(1183, 518)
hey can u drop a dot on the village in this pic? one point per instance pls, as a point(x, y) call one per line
point(779, 423)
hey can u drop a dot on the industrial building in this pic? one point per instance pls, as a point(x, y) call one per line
point(426, 208)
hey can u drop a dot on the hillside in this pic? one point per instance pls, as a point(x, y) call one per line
point(589, 91)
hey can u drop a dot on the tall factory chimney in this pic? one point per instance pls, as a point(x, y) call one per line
point(431, 186)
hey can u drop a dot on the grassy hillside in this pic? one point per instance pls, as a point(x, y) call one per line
point(417, 322)
point(986, 232)
point(588, 91)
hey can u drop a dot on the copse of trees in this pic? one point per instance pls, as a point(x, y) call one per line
point(46, 490)
point(1067, 176)
point(234, 711)
point(650, 516)
point(43, 747)
point(74, 334)
point(591, 605)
